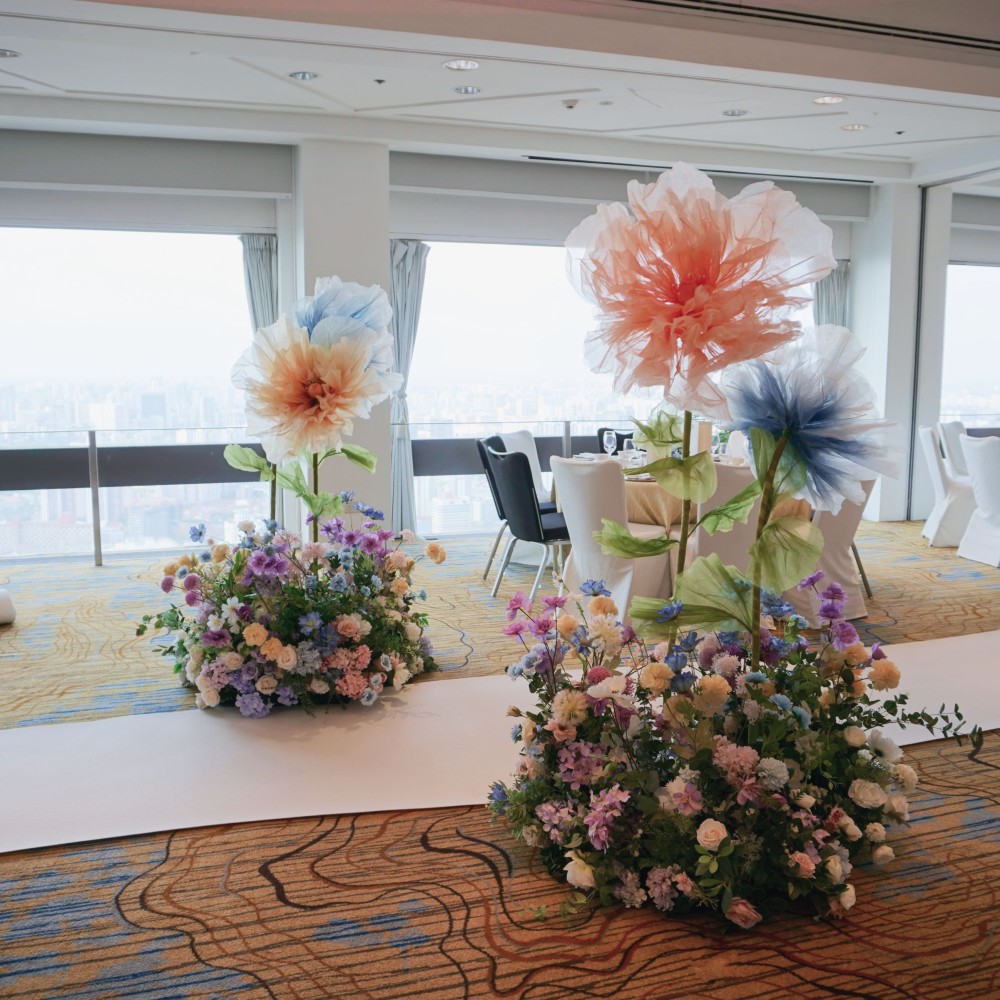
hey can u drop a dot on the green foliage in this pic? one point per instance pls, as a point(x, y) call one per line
point(616, 540)
point(247, 460)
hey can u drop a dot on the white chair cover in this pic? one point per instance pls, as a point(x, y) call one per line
point(836, 561)
point(7, 611)
point(524, 442)
point(738, 447)
point(954, 503)
point(732, 547)
point(981, 540)
point(587, 492)
point(950, 433)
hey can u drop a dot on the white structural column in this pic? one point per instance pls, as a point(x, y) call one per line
point(342, 228)
point(884, 281)
point(936, 253)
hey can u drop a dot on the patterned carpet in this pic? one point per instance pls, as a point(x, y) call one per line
point(441, 903)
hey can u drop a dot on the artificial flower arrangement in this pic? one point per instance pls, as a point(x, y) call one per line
point(704, 754)
point(275, 620)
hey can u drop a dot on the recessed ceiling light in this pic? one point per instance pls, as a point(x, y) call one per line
point(8, 54)
point(303, 74)
point(462, 65)
point(467, 90)
point(828, 99)
point(605, 104)
point(855, 127)
point(735, 112)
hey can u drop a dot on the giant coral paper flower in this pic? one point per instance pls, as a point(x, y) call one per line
point(691, 281)
point(302, 392)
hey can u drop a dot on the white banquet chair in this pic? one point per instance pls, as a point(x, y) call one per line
point(738, 447)
point(839, 562)
point(981, 540)
point(589, 491)
point(950, 434)
point(954, 502)
point(524, 442)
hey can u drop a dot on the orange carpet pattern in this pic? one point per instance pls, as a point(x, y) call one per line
point(444, 904)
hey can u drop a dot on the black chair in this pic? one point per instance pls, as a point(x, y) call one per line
point(545, 506)
point(512, 475)
point(621, 436)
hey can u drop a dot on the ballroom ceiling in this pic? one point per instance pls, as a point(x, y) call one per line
point(730, 86)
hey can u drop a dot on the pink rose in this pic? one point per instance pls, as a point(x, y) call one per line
point(743, 914)
point(804, 866)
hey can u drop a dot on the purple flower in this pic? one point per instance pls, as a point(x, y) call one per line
point(831, 609)
point(810, 581)
point(197, 533)
point(539, 627)
point(191, 598)
point(332, 529)
point(191, 582)
point(515, 628)
point(554, 601)
point(216, 637)
point(519, 602)
point(605, 807)
point(369, 543)
point(580, 763)
point(843, 634)
point(833, 592)
point(309, 622)
point(350, 537)
point(167, 584)
point(257, 563)
point(252, 706)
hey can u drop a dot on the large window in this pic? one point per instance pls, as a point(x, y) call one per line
point(970, 371)
point(131, 335)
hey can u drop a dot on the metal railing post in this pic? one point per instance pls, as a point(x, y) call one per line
point(95, 496)
point(567, 444)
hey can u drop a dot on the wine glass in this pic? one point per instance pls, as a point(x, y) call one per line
point(631, 452)
point(610, 441)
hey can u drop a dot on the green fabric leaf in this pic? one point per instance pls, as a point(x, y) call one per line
point(293, 478)
point(247, 460)
point(323, 456)
point(791, 474)
point(323, 505)
point(360, 456)
point(616, 540)
point(665, 430)
point(736, 509)
point(714, 597)
point(692, 478)
point(787, 550)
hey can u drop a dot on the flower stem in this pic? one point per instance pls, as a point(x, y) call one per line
point(315, 486)
point(685, 502)
point(766, 507)
point(274, 490)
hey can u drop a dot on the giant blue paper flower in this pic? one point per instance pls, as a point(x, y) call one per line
point(811, 392)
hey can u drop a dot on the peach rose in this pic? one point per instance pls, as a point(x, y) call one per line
point(711, 693)
point(884, 675)
point(287, 658)
point(743, 914)
point(255, 634)
point(711, 833)
point(435, 552)
point(399, 586)
point(656, 677)
point(566, 624)
point(601, 605)
point(272, 648)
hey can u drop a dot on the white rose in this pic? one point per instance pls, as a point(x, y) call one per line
point(883, 854)
point(834, 869)
point(850, 829)
point(208, 698)
point(665, 794)
point(867, 794)
point(267, 684)
point(855, 736)
point(875, 832)
point(400, 676)
point(191, 671)
point(231, 660)
point(412, 631)
point(711, 833)
point(804, 800)
point(898, 807)
point(197, 655)
point(532, 835)
point(318, 686)
point(906, 777)
point(578, 872)
point(848, 897)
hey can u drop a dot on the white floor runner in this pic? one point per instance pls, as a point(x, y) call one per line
point(435, 744)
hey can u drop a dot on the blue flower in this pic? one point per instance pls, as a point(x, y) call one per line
point(756, 676)
point(515, 670)
point(327, 639)
point(669, 611)
point(197, 532)
point(594, 588)
point(682, 682)
point(515, 732)
point(182, 571)
point(825, 408)
point(346, 496)
point(376, 583)
point(373, 512)
point(205, 556)
point(781, 701)
point(422, 594)
point(369, 697)
point(774, 605)
point(677, 661)
point(498, 793)
point(308, 623)
point(688, 641)
point(340, 302)
point(270, 525)
point(802, 715)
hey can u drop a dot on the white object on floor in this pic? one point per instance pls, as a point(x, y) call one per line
point(954, 503)
point(7, 611)
point(981, 540)
point(438, 743)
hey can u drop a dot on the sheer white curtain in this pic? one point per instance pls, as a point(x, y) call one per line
point(408, 260)
point(831, 296)
point(260, 273)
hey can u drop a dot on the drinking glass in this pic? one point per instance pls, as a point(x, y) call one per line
point(610, 442)
point(630, 451)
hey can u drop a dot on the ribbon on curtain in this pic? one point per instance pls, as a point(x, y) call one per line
point(408, 261)
point(260, 274)
point(830, 306)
